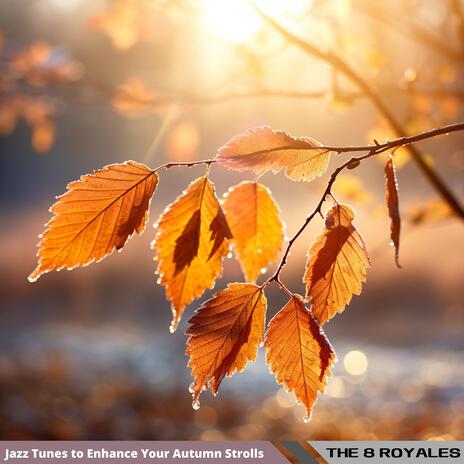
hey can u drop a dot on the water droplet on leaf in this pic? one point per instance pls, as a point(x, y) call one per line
point(195, 405)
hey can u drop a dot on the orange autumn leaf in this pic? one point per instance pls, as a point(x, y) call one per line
point(97, 214)
point(336, 266)
point(254, 219)
point(225, 333)
point(298, 352)
point(262, 149)
point(391, 198)
point(191, 242)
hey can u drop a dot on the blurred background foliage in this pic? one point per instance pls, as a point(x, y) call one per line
point(87, 354)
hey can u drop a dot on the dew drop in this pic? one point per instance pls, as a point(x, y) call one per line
point(192, 388)
point(391, 243)
point(195, 405)
point(259, 250)
point(263, 270)
point(229, 255)
point(306, 419)
point(159, 281)
point(172, 328)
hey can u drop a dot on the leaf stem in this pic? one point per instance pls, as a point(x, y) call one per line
point(174, 164)
point(364, 86)
point(318, 210)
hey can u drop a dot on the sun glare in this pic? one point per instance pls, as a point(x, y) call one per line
point(236, 21)
point(232, 20)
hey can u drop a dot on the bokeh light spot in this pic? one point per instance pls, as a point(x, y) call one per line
point(355, 362)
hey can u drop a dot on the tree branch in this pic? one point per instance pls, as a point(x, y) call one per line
point(414, 31)
point(318, 210)
point(372, 150)
point(338, 63)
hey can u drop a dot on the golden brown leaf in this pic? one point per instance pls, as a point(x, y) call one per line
point(262, 149)
point(298, 352)
point(225, 333)
point(391, 198)
point(192, 239)
point(257, 231)
point(336, 265)
point(97, 214)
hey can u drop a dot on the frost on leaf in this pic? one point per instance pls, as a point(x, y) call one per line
point(262, 149)
point(97, 214)
point(298, 352)
point(191, 242)
point(336, 266)
point(225, 333)
point(254, 219)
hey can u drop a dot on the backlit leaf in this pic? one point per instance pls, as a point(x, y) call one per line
point(225, 333)
point(262, 149)
point(298, 352)
point(257, 231)
point(336, 265)
point(391, 198)
point(97, 214)
point(191, 241)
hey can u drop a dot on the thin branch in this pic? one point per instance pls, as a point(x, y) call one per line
point(399, 142)
point(372, 150)
point(318, 210)
point(411, 30)
point(338, 63)
point(174, 164)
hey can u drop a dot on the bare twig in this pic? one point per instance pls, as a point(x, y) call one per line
point(338, 63)
point(318, 210)
point(416, 32)
point(372, 150)
point(188, 164)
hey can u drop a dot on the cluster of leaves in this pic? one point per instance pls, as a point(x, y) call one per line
point(25, 71)
point(99, 212)
point(127, 22)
